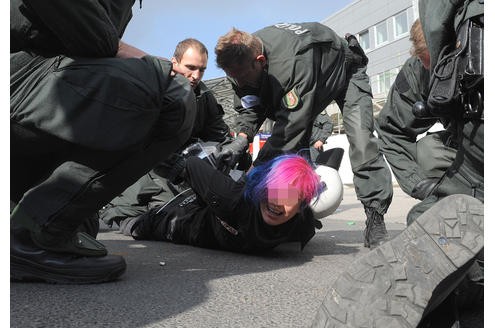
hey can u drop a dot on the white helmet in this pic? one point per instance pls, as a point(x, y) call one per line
point(332, 193)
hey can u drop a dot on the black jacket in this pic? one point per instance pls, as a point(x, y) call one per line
point(209, 124)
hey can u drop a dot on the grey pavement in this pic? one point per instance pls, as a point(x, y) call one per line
point(168, 285)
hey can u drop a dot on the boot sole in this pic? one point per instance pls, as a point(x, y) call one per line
point(393, 284)
point(23, 270)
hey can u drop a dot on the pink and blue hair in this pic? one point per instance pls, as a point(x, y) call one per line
point(282, 170)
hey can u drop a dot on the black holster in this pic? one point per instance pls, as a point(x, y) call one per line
point(456, 87)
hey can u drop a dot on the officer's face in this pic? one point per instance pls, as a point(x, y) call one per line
point(283, 204)
point(425, 59)
point(247, 75)
point(192, 65)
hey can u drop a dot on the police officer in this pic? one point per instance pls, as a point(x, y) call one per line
point(84, 126)
point(160, 184)
point(417, 165)
point(419, 272)
point(289, 73)
point(466, 175)
point(322, 129)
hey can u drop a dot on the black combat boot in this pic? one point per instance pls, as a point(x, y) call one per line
point(30, 262)
point(375, 232)
point(401, 282)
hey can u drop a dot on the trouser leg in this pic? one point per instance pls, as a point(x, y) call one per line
point(372, 177)
point(465, 176)
point(85, 178)
point(33, 156)
point(434, 153)
point(76, 190)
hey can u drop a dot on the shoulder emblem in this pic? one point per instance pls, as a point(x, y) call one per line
point(291, 99)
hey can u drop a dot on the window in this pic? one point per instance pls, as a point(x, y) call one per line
point(400, 25)
point(364, 39)
point(381, 83)
point(381, 33)
point(374, 85)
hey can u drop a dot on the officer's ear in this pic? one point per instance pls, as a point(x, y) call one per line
point(261, 59)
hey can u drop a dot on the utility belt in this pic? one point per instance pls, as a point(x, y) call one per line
point(456, 87)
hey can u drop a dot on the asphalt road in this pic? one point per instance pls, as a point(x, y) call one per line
point(168, 285)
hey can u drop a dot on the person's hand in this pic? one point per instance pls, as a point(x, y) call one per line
point(232, 152)
point(424, 188)
point(318, 145)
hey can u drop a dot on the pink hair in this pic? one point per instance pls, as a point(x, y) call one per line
point(281, 171)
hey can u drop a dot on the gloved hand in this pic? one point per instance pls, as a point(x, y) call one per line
point(424, 188)
point(232, 152)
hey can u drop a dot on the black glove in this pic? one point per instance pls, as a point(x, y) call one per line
point(424, 188)
point(360, 57)
point(232, 152)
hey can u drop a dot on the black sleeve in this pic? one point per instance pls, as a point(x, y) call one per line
point(89, 28)
point(398, 128)
point(215, 128)
point(322, 129)
point(220, 192)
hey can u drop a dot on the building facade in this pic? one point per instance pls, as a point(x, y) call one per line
point(382, 28)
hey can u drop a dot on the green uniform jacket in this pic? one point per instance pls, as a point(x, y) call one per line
point(299, 83)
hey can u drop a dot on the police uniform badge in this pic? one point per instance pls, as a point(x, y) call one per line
point(291, 99)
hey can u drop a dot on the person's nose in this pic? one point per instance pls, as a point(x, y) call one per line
point(196, 75)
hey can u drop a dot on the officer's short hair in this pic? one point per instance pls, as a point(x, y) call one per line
point(185, 44)
point(237, 47)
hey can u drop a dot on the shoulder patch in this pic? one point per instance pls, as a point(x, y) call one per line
point(291, 99)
